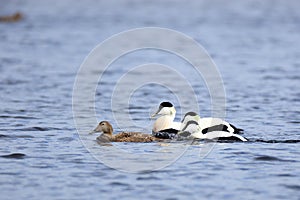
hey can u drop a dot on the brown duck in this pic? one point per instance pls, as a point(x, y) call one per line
point(11, 18)
point(107, 135)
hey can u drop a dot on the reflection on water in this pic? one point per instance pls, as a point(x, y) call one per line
point(255, 45)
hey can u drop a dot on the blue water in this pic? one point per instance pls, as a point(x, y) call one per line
point(255, 45)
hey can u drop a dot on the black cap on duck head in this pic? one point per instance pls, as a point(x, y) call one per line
point(165, 104)
point(188, 115)
point(188, 124)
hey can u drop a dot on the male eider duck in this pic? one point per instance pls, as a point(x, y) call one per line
point(209, 124)
point(107, 135)
point(164, 127)
point(193, 129)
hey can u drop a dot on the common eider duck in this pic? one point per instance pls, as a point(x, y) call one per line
point(11, 18)
point(209, 124)
point(107, 135)
point(193, 129)
point(164, 127)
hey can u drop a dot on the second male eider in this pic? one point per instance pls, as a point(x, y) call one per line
point(193, 129)
point(209, 124)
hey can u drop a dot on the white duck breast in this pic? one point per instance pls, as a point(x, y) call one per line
point(164, 126)
point(166, 113)
point(210, 124)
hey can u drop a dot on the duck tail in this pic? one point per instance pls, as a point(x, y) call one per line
point(237, 130)
point(240, 137)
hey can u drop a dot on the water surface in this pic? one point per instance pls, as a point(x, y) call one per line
point(255, 45)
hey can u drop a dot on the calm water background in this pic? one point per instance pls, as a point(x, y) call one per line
point(255, 45)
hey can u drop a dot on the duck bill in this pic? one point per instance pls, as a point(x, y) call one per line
point(92, 132)
point(154, 114)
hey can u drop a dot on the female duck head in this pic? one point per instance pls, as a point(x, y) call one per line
point(165, 109)
point(104, 127)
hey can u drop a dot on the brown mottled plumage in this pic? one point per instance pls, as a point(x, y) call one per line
point(107, 135)
point(11, 18)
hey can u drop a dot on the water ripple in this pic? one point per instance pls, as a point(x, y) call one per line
point(114, 184)
point(16, 136)
point(293, 187)
point(271, 158)
point(277, 141)
point(14, 156)
point(34, 128)
point(16, 117)
point(147, 178)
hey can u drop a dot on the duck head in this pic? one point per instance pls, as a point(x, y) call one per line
point(189, 116)
point(189, 128)
point(166, 113)
point(104, 127)
point(165, 109)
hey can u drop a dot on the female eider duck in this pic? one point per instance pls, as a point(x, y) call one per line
point(164, 127)
point(193, 129)
point(107, 135)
